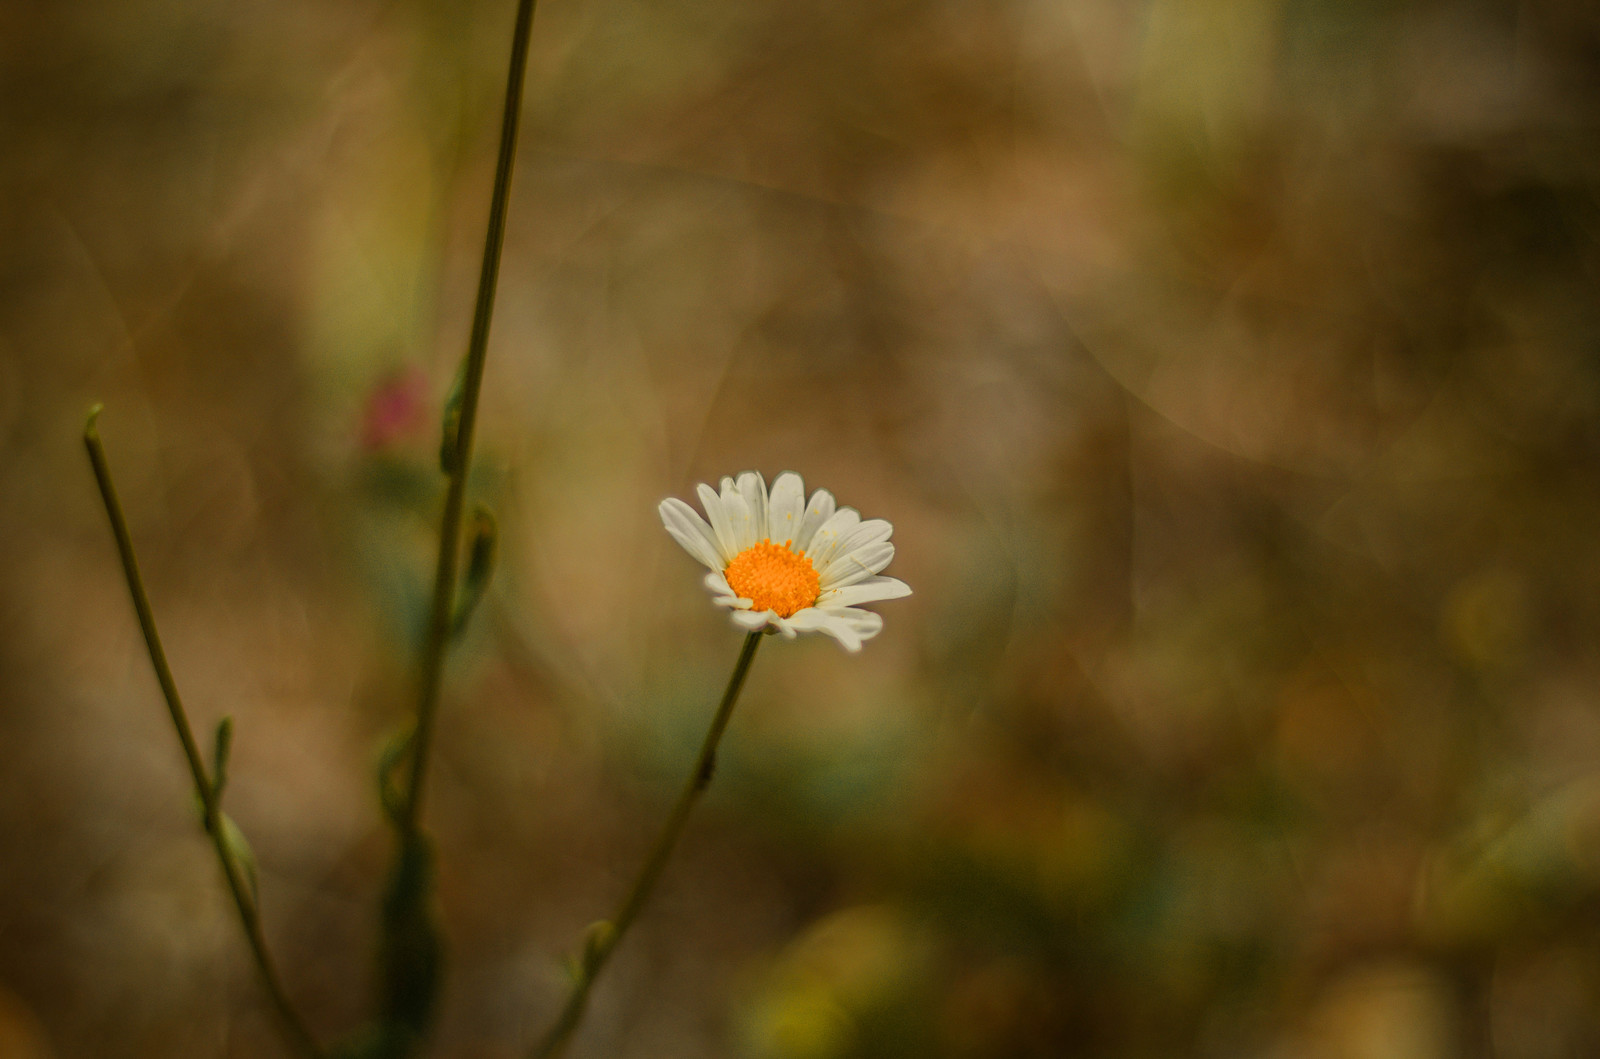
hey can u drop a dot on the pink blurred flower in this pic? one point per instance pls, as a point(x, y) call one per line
point(396, 409)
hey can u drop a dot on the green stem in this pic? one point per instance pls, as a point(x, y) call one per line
point(293, 1026)
point(604, 937)
point(444, 581)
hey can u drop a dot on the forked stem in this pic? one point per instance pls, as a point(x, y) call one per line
point(604, 936)
point(293, 1025)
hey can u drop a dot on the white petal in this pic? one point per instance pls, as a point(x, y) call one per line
point(872, 531)
point(833, 624)
point(741, 521)
point(690, 530)
point(722, 594)
point(820, 510)
point(856, 566)
point(739, 516)
point(754, 491)
point(751, 619)
point(786, 508)
point(825, 542)
point(864, 623)
point(783, 625)
point(718, 517)
point(870, 590)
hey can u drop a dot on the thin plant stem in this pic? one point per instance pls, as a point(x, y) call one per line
point(293, 1025)
point(445, 572)
point(604, 936)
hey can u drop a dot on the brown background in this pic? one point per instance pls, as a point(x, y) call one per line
point(1228, 369)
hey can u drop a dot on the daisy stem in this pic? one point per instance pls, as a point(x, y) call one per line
point(293, 1025)
point(604, 936)
point(444, 582)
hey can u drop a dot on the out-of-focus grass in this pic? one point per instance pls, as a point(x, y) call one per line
point(1226, 369)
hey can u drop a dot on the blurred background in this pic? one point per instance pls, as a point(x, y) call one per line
point(1230, 370)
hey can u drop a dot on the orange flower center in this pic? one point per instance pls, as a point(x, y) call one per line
point(774, 578)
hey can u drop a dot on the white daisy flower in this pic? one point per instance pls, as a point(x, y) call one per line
point(777, 561)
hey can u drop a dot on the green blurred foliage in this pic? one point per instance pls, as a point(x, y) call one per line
point(1228, 369)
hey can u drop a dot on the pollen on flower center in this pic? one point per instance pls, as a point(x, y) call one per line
point(772, 577)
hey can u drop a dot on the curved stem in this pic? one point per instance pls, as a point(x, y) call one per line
point(294, 1026)
point(444, 581)
point(604, 937)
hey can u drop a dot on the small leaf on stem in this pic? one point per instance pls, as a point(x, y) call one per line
point(450, 430)
point(239, 849)
point(390, 795)
point(598, 938)
point(221, 746)
point(480, 565)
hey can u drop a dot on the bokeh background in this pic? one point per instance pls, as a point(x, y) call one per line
point(1230, 370)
